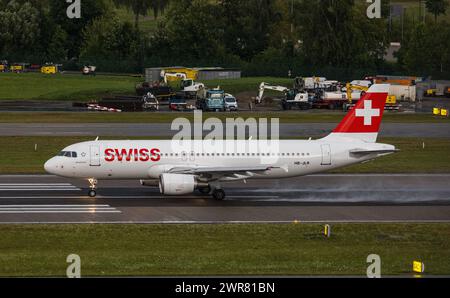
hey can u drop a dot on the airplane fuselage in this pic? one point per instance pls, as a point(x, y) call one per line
point(142, 159)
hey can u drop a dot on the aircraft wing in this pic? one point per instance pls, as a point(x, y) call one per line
point(220, 170)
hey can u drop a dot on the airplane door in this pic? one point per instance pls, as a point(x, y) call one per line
point(94, 156)
point(326, 155)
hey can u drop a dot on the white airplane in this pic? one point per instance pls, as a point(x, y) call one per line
point(205, 168)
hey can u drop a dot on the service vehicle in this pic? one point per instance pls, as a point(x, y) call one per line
point(211, 100)
point(231, 103)
point(292, 97)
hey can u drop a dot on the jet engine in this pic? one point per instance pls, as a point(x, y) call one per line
point(177, 184)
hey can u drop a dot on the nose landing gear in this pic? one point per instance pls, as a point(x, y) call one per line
point(92, 187)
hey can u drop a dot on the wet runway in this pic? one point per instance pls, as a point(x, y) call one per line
point(163, 129)
point(318, 198)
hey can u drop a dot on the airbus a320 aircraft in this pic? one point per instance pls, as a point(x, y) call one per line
point(180, 171)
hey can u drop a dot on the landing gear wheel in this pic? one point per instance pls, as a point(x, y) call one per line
point(205, 190)
point(92, 187)
point(218, 194)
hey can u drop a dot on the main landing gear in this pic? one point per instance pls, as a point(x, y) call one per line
point(216, 192)
point(92, 187)
point(205, 190)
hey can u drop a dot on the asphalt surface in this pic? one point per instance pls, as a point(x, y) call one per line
point(325, 198)
point(437, 130)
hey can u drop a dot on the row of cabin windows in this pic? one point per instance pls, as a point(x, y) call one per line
point(215, 154)
point(236, 154)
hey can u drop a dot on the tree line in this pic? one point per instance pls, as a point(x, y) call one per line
point(262, 37)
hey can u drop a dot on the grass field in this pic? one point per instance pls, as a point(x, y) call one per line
point(36, 86)
point(313, 116)
point(259, 249)
point(74, 87)
point(412, 158)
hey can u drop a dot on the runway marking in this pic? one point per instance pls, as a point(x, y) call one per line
point(73, 208)
point(51, 205)
point(230, 222)
point(60, 211)
point(48, 184)
point(37, 187)
point(132, 197)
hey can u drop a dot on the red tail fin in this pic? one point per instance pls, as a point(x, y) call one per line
point(363, 121)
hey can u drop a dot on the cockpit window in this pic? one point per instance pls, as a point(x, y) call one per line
point(72, 154)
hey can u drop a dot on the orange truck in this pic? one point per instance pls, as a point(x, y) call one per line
point(404, 81)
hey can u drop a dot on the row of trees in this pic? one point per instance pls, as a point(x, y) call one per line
point(260, 36)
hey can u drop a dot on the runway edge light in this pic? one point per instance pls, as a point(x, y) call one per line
point(327, 230)
point(418, 267)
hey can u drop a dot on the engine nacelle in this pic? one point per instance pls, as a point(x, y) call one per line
point(177, 184)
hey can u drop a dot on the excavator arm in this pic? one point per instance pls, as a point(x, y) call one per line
point(351, 87)
point(263, 86)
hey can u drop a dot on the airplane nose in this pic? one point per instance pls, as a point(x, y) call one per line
point(50, 166)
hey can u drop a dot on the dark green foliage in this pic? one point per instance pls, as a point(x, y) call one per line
point(437, 7)
point(262, 37)
point(426, 50)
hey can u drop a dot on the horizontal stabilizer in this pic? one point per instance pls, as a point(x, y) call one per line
point(376, 151)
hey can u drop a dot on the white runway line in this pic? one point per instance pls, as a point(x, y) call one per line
point(56, 206)
point(73, 208)
point(37, 187)
point(229, 222)
point(132, 197)
point(24, 184)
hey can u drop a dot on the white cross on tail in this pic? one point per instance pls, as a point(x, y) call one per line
point(367, 112)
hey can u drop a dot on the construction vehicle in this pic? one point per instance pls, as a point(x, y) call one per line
point(212, 100)
point(189, 87)
point(3, 66)
point(329, 97)
point(293, 97)
point(172, 76)
point(431, 92)
point(17, 68)
point(49, 69)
